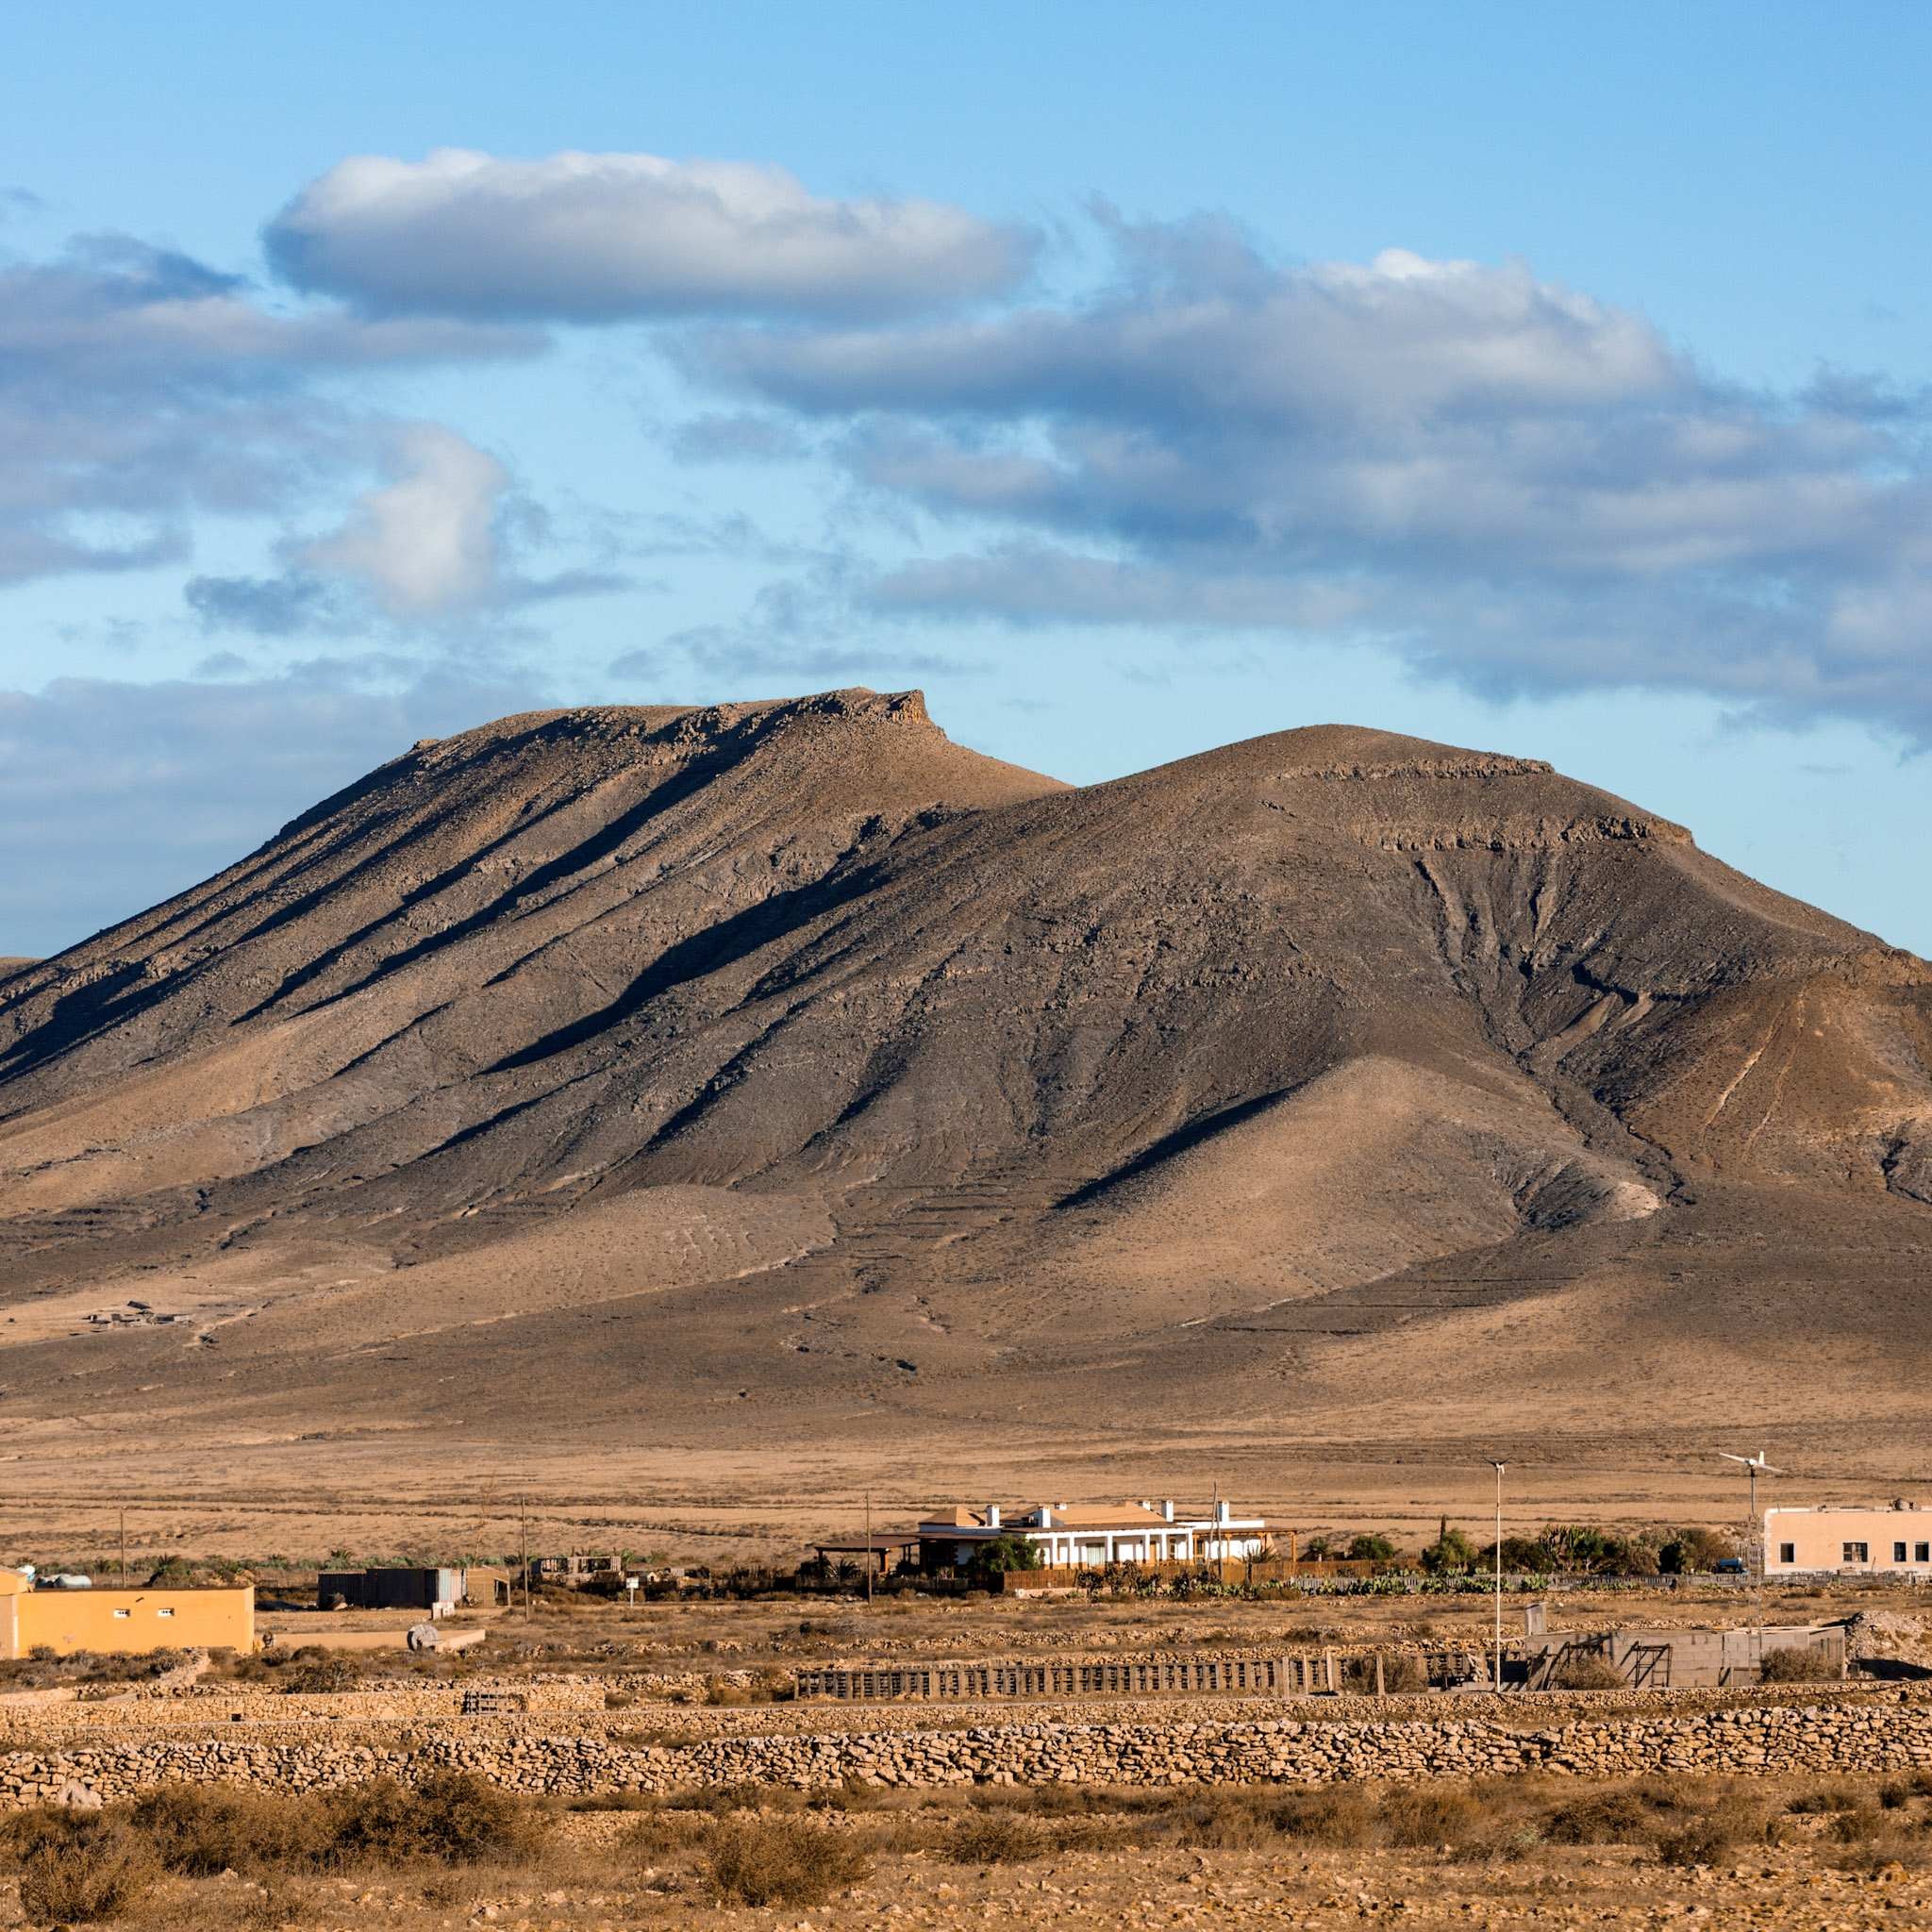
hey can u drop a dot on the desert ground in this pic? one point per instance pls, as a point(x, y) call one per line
point(1808, 1850)
point(694, 1132)
point(688, 1122)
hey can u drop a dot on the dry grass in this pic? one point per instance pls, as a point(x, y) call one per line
point(77, 1867)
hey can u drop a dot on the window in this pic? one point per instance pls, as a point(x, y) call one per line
point(1922, 1553)
point(1787, 1553)
point(123, 1613)
point(164, 1613)
point(1898, 1553)
point(1856, 1553)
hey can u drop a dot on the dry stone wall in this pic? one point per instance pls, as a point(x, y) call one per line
point(1830, 1739)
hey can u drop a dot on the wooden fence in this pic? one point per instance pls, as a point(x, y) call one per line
point(1268, 1676)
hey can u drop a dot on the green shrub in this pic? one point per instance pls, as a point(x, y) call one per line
point(1451, 1554)
point(1007, 1553)
point(781, 1861)
point(1694, 1550)
point(1369, 1549)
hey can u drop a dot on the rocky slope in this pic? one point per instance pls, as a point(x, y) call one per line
point(964, 1071)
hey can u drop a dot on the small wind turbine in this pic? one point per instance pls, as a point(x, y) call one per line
point(1758, 1466)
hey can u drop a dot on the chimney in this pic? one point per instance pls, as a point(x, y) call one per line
point(1167, 1513)
point(993, 1515)
point(1224, 1512)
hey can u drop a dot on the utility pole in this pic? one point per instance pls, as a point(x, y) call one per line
point(123, 1549)
point(1498, 1467)
point(523, 1531)
point(868, 1549)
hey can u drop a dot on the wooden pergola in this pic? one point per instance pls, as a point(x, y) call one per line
point(884, 1549)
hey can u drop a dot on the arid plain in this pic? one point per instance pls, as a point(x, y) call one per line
point(695, 1119)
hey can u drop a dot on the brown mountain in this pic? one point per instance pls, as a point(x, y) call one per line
point(734, 1066)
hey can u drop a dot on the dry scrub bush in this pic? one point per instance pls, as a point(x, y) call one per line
point(657, 1834)
point(995, 1838)
point(1601, 1818)
point(1859, 1826)
point(456, 1816)
point(1431, 1815)
point(199, 1830)
point(1588, 1672)
point(1795, 1666)
point(75, 1868)
point(1709, 1838)
point(278, 1901)
point(781, 1861)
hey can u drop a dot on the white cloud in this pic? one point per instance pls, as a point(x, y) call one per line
point(424, 545)
point(139, 388)
point(1520, 485)
point(599, 238)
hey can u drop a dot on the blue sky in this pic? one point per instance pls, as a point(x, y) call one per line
point(1131, 379)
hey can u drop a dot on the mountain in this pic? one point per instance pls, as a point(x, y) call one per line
point(740, 1064)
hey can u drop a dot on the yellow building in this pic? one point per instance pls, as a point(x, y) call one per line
point(121, 1619)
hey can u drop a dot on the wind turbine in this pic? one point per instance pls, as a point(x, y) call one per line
point(1758, 1466)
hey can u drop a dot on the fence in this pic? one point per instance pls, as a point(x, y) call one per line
point(1266, 1676)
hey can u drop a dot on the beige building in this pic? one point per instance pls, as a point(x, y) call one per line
point(1849, 1543)
point(121, 1619)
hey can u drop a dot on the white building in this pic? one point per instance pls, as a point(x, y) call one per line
point(1089, 1538)
point(1850, 1542)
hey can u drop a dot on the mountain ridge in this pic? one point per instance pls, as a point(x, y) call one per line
point(978, 1068)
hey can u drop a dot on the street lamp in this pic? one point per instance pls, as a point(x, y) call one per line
point(1498, 1467)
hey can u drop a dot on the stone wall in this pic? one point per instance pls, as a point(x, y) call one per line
point(1831, 1738)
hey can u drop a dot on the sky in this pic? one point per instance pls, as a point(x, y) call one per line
point(1130, 378)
